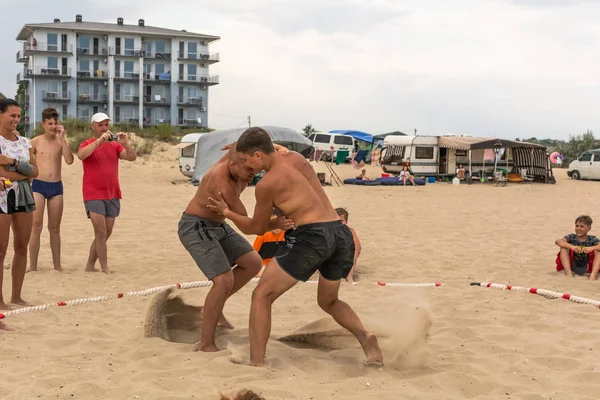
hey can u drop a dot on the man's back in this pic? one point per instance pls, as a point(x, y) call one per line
point(296, 190)
point(48, 153)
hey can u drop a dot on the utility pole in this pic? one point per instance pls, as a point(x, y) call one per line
point(249, 122)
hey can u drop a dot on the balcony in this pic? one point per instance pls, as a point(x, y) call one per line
point(122, 52)
point(159, 78)
point(186, 101)
point(200, 79)
point(189, 122)
point(94, 51)
point(127, 75)
point(21, 57)
point(56, 96)
point(21, 78)
point(41, 47)
point(204, 58)
point(126, 98)
point(127, 121)
point(157, 99)
point(95, 98)
point(157, 55)
point(92, 76)
point(156, 121)
point(48, 72)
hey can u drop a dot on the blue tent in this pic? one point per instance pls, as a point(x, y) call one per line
point(365, 137)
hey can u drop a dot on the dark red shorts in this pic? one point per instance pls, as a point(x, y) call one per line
point(560, 267)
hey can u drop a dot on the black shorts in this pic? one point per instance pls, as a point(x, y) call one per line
point(327, 247)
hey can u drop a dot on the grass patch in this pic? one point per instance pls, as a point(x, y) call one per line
point(79, 130)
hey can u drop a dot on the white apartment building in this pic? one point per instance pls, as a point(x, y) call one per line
point(137, 74)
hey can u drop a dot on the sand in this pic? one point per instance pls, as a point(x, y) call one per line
point(450, 342)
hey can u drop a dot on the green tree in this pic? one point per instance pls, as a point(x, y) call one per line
point(308, 130)
point(576, 145)
point(2, 96)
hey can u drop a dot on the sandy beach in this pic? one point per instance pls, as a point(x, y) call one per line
point(482, 343)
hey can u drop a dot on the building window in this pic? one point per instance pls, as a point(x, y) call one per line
point(52, 42)
point(424, 153)
point(461, 153)
point(159, 113)
point(192, 93)
point(52, 62)
point(159, 68)
point(128, 69)
point(64, 112)
point(84, 45)
point(192, 72)
point(84, 89)
point(128, 113)
point(148, 49)
point(160, 47)
point(191, 114)
point(84, 66)
point(129, 51)
point(129, 91)
point(53, 87)
point(192, 50)
point(84, 112)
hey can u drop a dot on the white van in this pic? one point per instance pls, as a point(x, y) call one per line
point(187, 153)
point(587, 166)
point(332, 141)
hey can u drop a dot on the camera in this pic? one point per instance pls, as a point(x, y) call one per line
point(113, 137)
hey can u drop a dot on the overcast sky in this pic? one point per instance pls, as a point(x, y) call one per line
point(510, 68)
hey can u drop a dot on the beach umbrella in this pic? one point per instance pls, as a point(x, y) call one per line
point(556, 158)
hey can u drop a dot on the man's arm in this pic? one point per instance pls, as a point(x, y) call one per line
point(86, 151)
point(128, 153)
point(259, 223)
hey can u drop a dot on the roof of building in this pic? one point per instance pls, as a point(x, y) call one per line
point(25, 32)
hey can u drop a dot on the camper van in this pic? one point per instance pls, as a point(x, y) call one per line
point(587, 166)
point(332, 141)
point(187, 153)
point(426, 157)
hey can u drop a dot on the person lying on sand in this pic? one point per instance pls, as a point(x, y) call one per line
point(319, 242)
point(579, 251)
point(215, 246)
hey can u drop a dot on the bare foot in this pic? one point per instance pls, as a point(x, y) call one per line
point(59, 269)
point(371, 349)
point(3, 306)
point(19, 301)
point(106, 271)
point(207, 348)
point(91, 269)
point(224, 323)
point(31, 269)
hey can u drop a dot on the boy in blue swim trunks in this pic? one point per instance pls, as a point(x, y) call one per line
point(49, 149)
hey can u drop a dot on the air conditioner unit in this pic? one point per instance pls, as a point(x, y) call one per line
point(105, 83)
point(203, 65)
point(203, 109)
point(105, 37)
point(105, 106)
point(106, 60)
point(203, 87)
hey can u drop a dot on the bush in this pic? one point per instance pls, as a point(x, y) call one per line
point(142, 146)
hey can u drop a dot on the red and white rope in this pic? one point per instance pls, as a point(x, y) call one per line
point(149, 291)
point(542, 292)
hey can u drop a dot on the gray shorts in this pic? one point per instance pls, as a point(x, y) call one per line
point(107, 208)
point(214, 246)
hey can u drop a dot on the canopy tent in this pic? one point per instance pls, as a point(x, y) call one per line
point(209, 146)
point(365, 137)
point(530, 156)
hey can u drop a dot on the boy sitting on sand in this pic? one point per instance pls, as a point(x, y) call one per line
point(363, 175)
point(343, 213)
point(268, 244)
point(579, 251)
